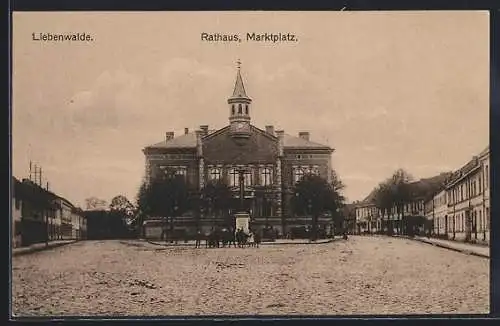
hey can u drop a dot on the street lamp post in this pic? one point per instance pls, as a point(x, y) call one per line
point(313, 222)
point(172, 223)
point(241, 179)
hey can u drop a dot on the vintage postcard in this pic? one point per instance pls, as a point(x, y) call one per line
point(250, 163)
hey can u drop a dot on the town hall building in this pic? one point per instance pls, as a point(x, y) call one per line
point(271, 162)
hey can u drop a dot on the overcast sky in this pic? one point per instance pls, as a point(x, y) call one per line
point(386, 90)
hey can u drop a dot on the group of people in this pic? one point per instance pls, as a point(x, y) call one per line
point(226, 237)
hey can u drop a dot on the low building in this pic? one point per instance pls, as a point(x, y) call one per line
point(368, 215)
point(39, 215)
point(411, 219)
point(83, 225)
point(64, 216)
point(33, 210)
point(16, 217)
point(436, 210)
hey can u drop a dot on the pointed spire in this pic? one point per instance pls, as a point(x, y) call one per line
point(239, 88)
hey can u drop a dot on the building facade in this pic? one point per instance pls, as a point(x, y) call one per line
point(16, 221)
point(271, 162)
point(436, 211)
point(468, 193)
point(415, 217)
point(451, 205)
point(39, 215)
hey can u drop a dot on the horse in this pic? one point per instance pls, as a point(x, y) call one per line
point(257, 239)
point(228, 237)
point(241, 238)
point(213, 239)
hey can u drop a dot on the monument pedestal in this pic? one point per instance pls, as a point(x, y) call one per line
point(242, 221)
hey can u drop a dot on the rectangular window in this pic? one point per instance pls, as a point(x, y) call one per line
point(234, 178)
point(266, 176)
point(298, 174)
point(248, 178)
point(479, 184)
point(486, 178)
point(181, 171)
point(487, 218)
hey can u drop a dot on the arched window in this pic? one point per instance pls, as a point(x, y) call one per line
point(215, 174)
point(239, 109)
point(232, 110)
point(246, 109)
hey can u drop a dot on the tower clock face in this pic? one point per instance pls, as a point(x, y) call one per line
point(239, 126)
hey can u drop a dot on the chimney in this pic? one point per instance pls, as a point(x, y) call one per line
point(304, 135)
point(186, 131)
point(270, 130)
point(169, 135)
point(280, 134)
point(204, 129)
point(199, 145)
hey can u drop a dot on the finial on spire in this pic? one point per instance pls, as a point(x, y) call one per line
point(238, 64)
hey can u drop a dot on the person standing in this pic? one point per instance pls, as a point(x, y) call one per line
point(198, 239)
point(251, 239)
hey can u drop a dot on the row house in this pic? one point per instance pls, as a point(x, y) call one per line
point(409, 219)
point(461, 211)
point(436, 211)
point(39, 215)
point(367, 215)
point(451, 205)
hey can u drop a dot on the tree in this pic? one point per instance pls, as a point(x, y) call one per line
point(165, 197)
point(121, 213)
point(94, 203)
point(121, 204)
point(315, 196)
point(400, 191)
point(383, 200)
point(216, 198)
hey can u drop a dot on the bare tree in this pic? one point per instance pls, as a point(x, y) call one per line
point(94, 203)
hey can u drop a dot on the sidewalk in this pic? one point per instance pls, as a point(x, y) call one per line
point(40, 246)
point(465, 248)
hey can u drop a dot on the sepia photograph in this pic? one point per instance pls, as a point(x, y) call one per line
point(250, 163)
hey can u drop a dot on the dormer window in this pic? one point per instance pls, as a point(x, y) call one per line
point(240, 110)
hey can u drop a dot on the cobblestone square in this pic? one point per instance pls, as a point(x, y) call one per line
point(363, 275)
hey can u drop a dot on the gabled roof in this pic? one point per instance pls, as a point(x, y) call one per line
point(369, 199)
point(429, 186)
point(189, 141)
point(183, 141)
point(32, 192)
point(290, 141)
point(425, 188)
point(485, 151)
